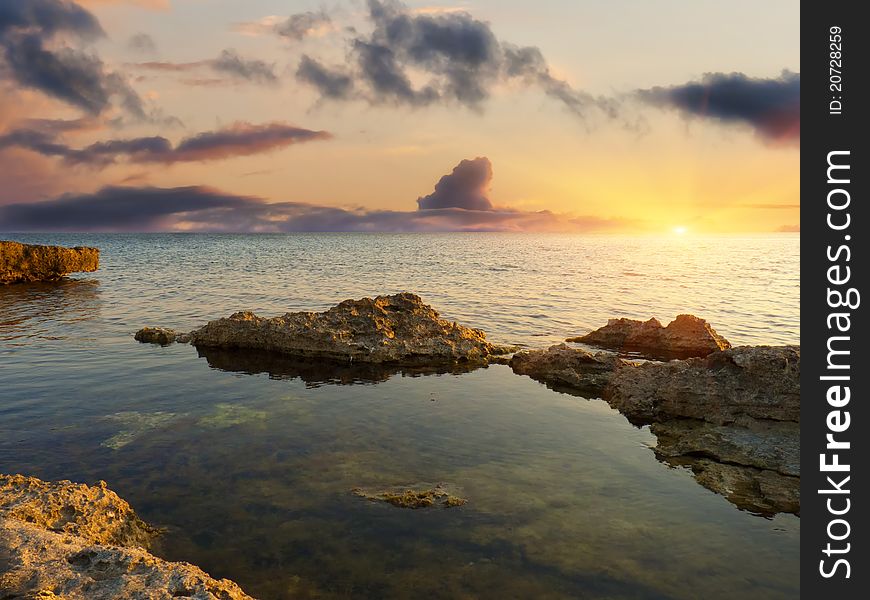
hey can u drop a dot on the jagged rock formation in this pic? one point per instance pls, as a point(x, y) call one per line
point(397, 329)
point(77, 542)
point(21, 263)
point(733, 416)
point(684, 337)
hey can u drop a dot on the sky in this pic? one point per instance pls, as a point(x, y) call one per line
point(378, 115)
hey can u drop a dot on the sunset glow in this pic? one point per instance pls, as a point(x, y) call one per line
point(258, 105)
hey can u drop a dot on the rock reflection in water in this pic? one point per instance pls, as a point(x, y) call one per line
point(44, 310)
point(756, 467)
point(318, 372)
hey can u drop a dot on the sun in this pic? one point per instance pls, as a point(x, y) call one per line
point(680, 230)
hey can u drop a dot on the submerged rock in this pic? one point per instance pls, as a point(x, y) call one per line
point(73, 541)
point(563, 366)
point(413, 498)
point(684, 337)
point(760, 382)
point(398, 329)
point(21, 263)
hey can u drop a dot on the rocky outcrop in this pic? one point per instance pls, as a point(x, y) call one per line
point(759, 382)
point(160, 335)
point(684, 337)
point(73, 541)
point(94, 513)
point(21, 263)
point(732, 417)
point(397, 329)
point(563, 366)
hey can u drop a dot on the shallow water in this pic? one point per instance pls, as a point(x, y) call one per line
point(249, 463)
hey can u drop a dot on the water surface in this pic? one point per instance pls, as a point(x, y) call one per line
point(249, 463)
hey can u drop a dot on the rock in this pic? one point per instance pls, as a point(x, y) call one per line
point(759, 382)
point(684, 337)
point(413, 498)
point(563, 366)
point(21, 263)
point(35, 563)
point(733, 416)
point(768, 445)
point(759, 491)
point(156, 335)
point(94, 513)
point(397, 329)
point(73, 541)
point(756, 466)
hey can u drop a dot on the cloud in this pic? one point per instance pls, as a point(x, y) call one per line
point(466, 187)
point(457, 56)
point(295, 28)
point(331, 83)
point(142, 43)
point(240, 139)
point(254, 70)
point(229, 62)
point(198, 208)
point(301, 25)
point(772, 107)
point(150, 4)
point(790, 229)
point(35, 59)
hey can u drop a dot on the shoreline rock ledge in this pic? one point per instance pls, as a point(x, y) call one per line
point(396, 329)
point(26, 263)
point(73, 541)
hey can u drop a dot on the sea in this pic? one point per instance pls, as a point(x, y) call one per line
point(248, 462)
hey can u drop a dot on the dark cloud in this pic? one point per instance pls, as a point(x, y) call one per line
point(466, 187)
point(254, 70)
point(35, 60)
point(299, 26)
point(229, 62)
point(49, 17)
point(458, 56)
point(772, 107)
point(241, 139)
point(331, 83)
point(142, 43)
point(204, 209)
point(387, 78)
